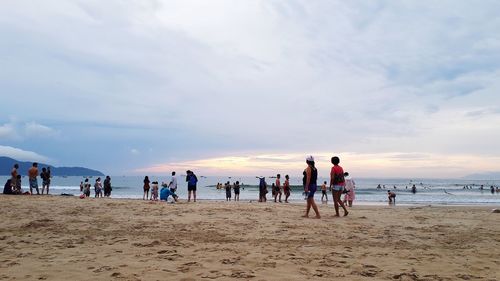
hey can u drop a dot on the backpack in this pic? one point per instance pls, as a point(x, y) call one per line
point(338, 178)
point(192, 180)
point(7, 189)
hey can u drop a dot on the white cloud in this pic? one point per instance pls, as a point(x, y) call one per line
point(22, 155)
point(8, 132)
point(33, 129)
point(226, 77)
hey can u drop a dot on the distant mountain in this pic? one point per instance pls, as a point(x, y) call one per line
point(7, 163)
point(484, 176)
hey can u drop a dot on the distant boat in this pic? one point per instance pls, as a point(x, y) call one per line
point(64, 176)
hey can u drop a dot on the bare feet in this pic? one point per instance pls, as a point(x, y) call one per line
point(346, 213)
point(305, 216)
point(317, 217)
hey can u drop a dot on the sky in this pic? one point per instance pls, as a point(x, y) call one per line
point(223, 87)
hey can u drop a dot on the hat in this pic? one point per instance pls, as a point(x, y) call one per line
point(310, 158)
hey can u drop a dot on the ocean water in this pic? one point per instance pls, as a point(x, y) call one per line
point(429, 191)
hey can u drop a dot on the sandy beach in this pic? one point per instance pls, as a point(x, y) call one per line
point(66, 238)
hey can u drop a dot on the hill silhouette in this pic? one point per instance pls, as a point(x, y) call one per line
point(6, 164)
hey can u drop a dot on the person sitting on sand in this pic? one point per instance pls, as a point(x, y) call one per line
point(278, 188)
point(165, 192)
point(228, 191)
point(337, 183)
point(324, 194)
point(349, 187)
point(391, 196)
point(286, 188)
point(7, 188)
point(311, 187)
point(236, 188)
point(146, 188)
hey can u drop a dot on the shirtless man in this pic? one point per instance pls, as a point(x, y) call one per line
point(278, 188)
point(33, 174)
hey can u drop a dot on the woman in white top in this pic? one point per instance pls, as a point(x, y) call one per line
point(350, 185)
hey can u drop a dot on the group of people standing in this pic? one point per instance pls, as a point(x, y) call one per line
point(13, 185)
point(99, 187)
point(277, 189)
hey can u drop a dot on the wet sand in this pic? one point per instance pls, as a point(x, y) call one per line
point(66, 238)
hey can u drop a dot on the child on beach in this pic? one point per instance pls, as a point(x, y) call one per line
point(154, 191)
point(324, 194)
point(228, 191)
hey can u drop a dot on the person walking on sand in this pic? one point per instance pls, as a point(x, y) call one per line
point(107, 187)
point(278, 188)
point(337, 183)
point(228, 191)
point(32, 175)
point(236, 188)
point(311, 187)
point(324, 194)
point(350, 185)
point(286, 188)
point(146, 188)
point(192, 180)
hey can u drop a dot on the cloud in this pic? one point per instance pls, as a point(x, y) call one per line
point(395, 164)
point(203, 80)
point(7, 132)
point(22, 155)
point(14, 130)
point(33, 129)
point(134, 151)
